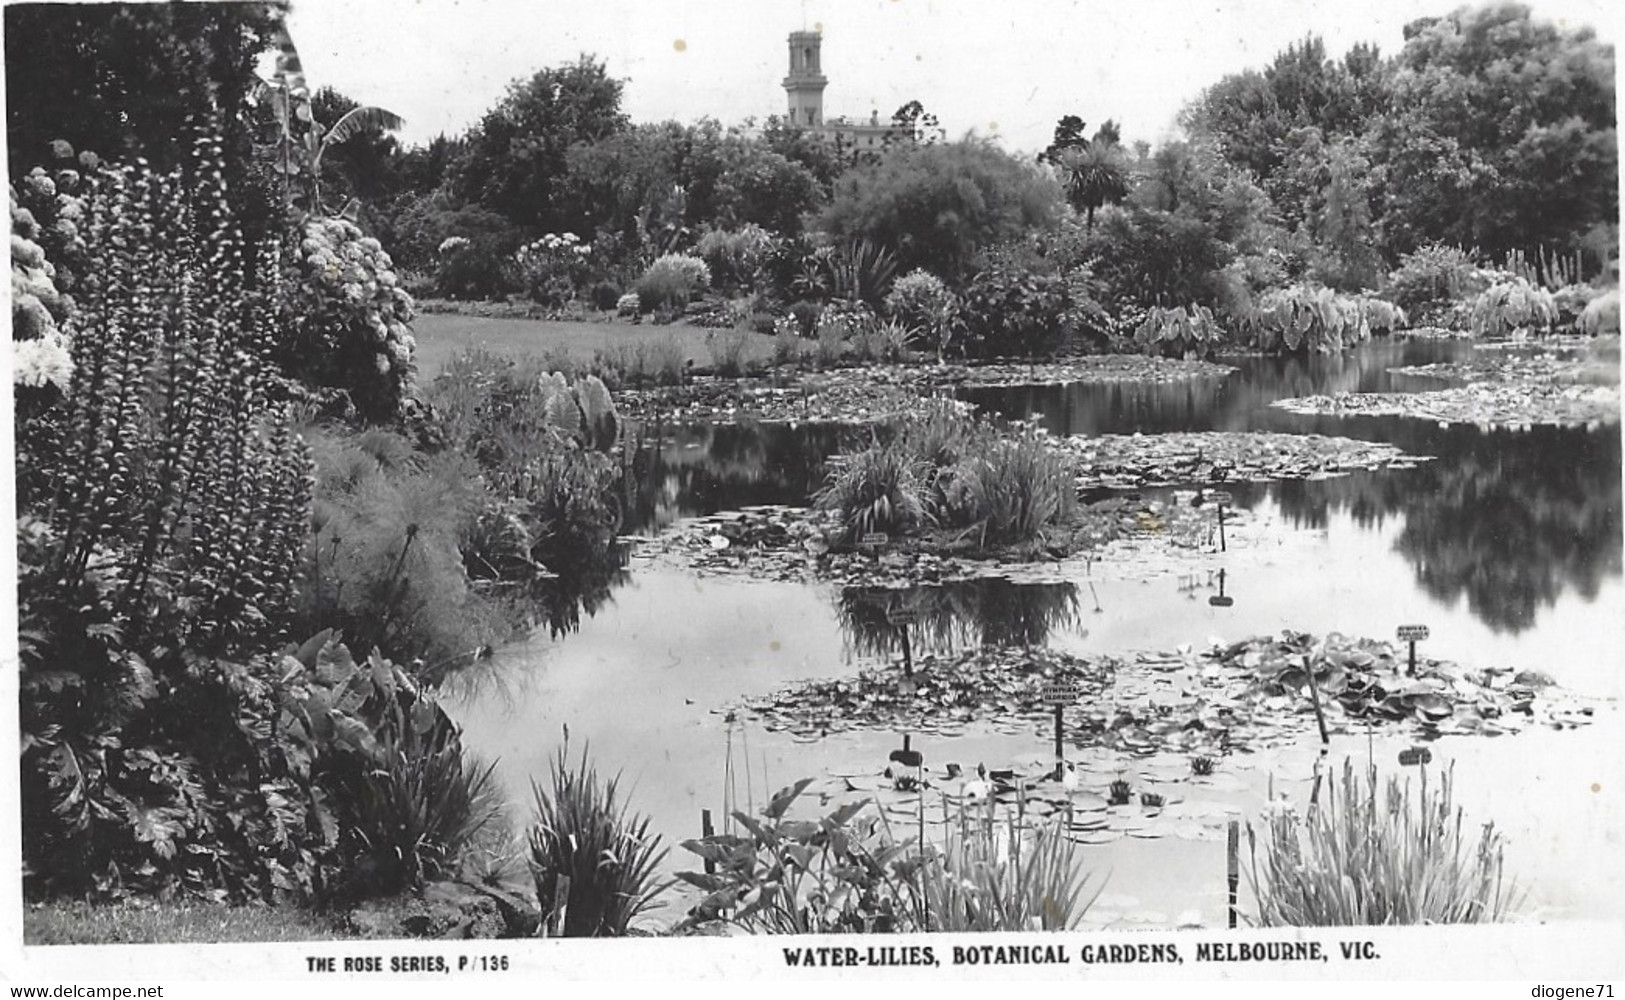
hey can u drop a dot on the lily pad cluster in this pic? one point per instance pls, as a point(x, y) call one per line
point(1133, 461)
point(1098, 369)
point(800, 544)
point(871, 394)
point(1516, 405)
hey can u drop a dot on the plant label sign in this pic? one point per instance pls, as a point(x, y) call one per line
point(1060, 694)
point(1221, 601)
point(873, 540)
point(1412, 633)
point(1414, 756)
point(903, 616)
point(1222, 498)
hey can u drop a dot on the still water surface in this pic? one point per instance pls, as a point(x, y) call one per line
point(1507, 544)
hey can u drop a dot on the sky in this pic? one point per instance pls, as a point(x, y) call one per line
point(1001, 68)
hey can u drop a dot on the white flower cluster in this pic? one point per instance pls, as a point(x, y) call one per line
point(451, 243)
point(692, 271)
point(628, 304)
point(554, 245)
point(41, 361)
point(354, 271)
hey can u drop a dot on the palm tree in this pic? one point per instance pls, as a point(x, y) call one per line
point(1095, 172)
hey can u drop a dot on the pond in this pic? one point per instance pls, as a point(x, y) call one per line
point(1507, 545)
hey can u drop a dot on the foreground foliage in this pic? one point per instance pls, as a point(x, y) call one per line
point(594, 864)
point(1374, 855)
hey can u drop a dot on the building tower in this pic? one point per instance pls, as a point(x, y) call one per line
point(806, 83)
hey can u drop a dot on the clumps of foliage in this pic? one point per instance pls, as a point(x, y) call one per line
point(942, 468)
point(1011, 309)
point(989, 876)
point(841, 873)
point(1431, 279)
point(1601, 314)
point(1513, 307)
point(641, 364)
point(553, 267)
point(1302, 319)
point(346, 320)
point(919, 299)
point(1374, 855)
point(671, 282)
point(729, 352)
point(846, 872)
point(736, 257)
point(594, 863)
point(1179, 332)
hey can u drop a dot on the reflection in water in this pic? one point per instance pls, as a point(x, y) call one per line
point(985, 612)
point(583, 585)
point(685, 471)
point(1507, 520)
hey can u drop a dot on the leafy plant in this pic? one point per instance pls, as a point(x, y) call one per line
point(1302, 318)
point(1009, 309)
point(1601, 314)
point(671, 281)
point(1513, 307)
point(839, 874)
point(728, 352)
point(1374, 855)
point(585, 834)
point(1179, 332)
point(989, 876)
point(881, 488)
point(861, 270)
point(1431, 278)
point(1010, 488)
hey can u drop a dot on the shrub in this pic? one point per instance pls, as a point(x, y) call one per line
point(1373, 855)
point(728, 352)
point(1179, 332)
point(479, 268)
point(787, 343)
point(920, 300)
point(584, 833)
point(1513, 307)
point(861, 271)
point(671, 281)
point(806, 313)
point(736, 258)
point(606, 296)
point(1010, 309)
point(881, 488)
point(550, 269)
point(346, 320)
point(1601, 314)
point(1431, 278)
point(628, 305)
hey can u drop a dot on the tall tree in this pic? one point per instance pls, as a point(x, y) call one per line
point(517, 153)
point(1094, 172)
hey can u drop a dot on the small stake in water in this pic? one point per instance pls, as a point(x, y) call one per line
point(1412, 634)
point(1320, 720)
point(1221, 499)
point(1221, 601)
point(908, 757)
point(1414, 756)
point(1060, 696)
point(706, 831)
point(1232, 851)
point(902, 618)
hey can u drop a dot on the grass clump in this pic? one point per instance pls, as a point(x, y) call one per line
point(728, 352)
point(584, 833)
point(946, 469)
point(989, 876)
point(1374, 855)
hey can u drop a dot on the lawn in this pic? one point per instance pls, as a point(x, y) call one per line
point(441, 336)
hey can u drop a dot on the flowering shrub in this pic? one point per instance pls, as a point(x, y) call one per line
point(671, 281)
point(349, 319)
point(1431, 278)
point(553, 267)
point(39, 349)
point(628, 304)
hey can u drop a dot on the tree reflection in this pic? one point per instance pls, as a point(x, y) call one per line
point(1508, 520)
point(985, 612)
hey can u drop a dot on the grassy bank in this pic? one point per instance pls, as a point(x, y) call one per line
point(440, 336)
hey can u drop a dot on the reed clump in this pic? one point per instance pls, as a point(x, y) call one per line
point(1375, 854)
